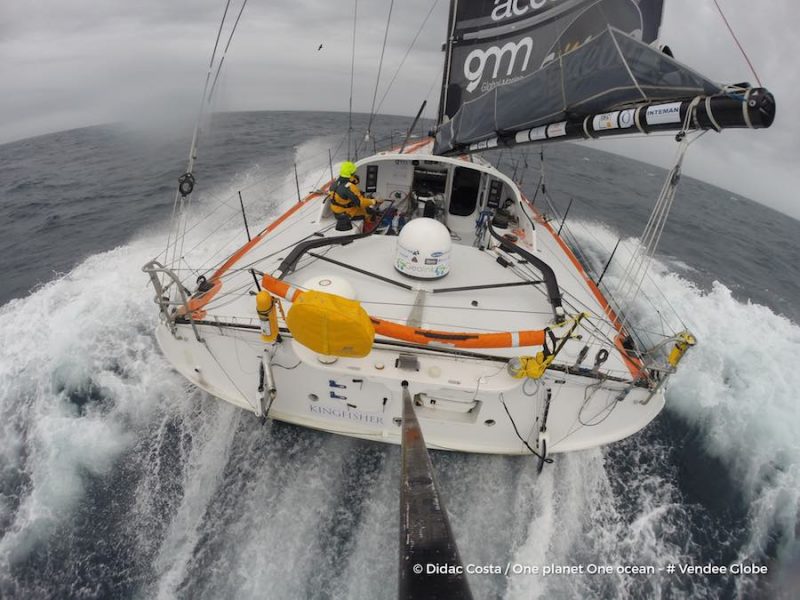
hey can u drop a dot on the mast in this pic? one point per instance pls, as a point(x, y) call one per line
point(451, 23)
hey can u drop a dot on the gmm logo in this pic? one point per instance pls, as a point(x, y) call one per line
point(476, 61)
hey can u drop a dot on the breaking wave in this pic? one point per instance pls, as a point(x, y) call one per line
point(119, 479)
point(734, 396)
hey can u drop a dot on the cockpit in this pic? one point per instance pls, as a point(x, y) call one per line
point(464, 197)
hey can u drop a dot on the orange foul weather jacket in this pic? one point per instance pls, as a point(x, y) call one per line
point(347, 199)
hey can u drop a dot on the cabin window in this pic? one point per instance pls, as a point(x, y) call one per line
point(464, 194)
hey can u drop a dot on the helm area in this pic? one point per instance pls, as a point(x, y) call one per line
point(463, 196)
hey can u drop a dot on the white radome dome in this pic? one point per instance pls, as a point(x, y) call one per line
point(423, 249)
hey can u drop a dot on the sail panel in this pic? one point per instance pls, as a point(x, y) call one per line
point(660, 75)
point(496, 42)
point(521, 63)
point(610, 71)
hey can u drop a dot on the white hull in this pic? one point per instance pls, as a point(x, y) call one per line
point(373, 404)
point(466, 400)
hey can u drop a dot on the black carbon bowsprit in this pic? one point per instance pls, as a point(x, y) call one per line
point(430, 566)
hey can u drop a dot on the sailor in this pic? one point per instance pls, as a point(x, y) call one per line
point(346, 198)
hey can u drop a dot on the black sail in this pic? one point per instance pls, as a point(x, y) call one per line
point(515, 65)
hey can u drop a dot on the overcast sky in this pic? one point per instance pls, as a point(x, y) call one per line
point(83, 62)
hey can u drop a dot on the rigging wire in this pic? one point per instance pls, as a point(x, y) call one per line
point(405, 56)
point(738, 43)
point(205, 101)
point(374, 110)
point(649, 278)
point(193, 149)
point(247, 266)
point(620, 316)
point(639, 263)
point(225, 52)
point(178, 215)
point(352, 77)
point(232, 198)
point(222, 202)
point(380, 69)
point(212, 233)
point(428, 95)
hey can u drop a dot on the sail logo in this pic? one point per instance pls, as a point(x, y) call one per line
point(507, 9)
point(477, 60)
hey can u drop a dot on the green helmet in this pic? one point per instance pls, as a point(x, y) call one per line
point(348, 169)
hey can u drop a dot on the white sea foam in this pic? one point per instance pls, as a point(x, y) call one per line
point(737, 387)
point(224, 507)
point(78, 374)
point(81, 380)
point(82, 383)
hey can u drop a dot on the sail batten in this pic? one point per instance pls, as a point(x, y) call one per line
point(520, 64)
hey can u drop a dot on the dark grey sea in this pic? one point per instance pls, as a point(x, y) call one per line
point(119, 480)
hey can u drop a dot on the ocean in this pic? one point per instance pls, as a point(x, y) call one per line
point(120, 480)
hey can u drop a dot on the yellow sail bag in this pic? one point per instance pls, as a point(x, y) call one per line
point(331, 325)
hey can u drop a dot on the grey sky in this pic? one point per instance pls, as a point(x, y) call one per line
point(70, 64)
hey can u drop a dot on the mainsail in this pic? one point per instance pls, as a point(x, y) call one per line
point(514, 66)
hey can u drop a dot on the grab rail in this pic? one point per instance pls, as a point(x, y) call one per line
point(164, 303)
point(549, 276)
point(288, 264)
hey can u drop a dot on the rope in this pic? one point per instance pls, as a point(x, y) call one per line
point(639, 264)
point(735, 39)
point(601, 332)
point(607, 409)
point(522, 439)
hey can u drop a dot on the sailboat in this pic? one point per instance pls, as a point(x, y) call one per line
point(460, 291)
